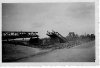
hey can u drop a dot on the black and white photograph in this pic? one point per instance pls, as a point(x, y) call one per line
point(48, 32)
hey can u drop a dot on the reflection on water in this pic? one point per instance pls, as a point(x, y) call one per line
point(19, 39)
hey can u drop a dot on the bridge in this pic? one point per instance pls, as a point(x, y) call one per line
point(18, 34)
point(55, 36)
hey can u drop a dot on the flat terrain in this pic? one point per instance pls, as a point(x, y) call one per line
point(81, 53)
point(13, 52)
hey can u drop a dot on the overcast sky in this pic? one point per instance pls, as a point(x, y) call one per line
point(62, 17)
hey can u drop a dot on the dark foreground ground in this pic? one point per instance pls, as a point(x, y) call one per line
point(81, 53)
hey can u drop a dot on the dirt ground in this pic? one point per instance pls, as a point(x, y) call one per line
point(82, 53)
point(11, 52)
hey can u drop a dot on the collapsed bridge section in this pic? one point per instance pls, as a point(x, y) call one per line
point(56, 37)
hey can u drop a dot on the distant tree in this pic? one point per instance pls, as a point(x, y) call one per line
point(92, 36)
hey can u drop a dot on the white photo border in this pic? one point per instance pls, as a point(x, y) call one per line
point(53, 63)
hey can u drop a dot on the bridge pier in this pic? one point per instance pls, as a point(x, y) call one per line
point(34, 40)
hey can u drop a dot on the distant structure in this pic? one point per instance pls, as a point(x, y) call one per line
point(55, 37)
point(71, 36)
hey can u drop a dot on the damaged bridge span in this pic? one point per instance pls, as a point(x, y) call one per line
point(56, 37)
